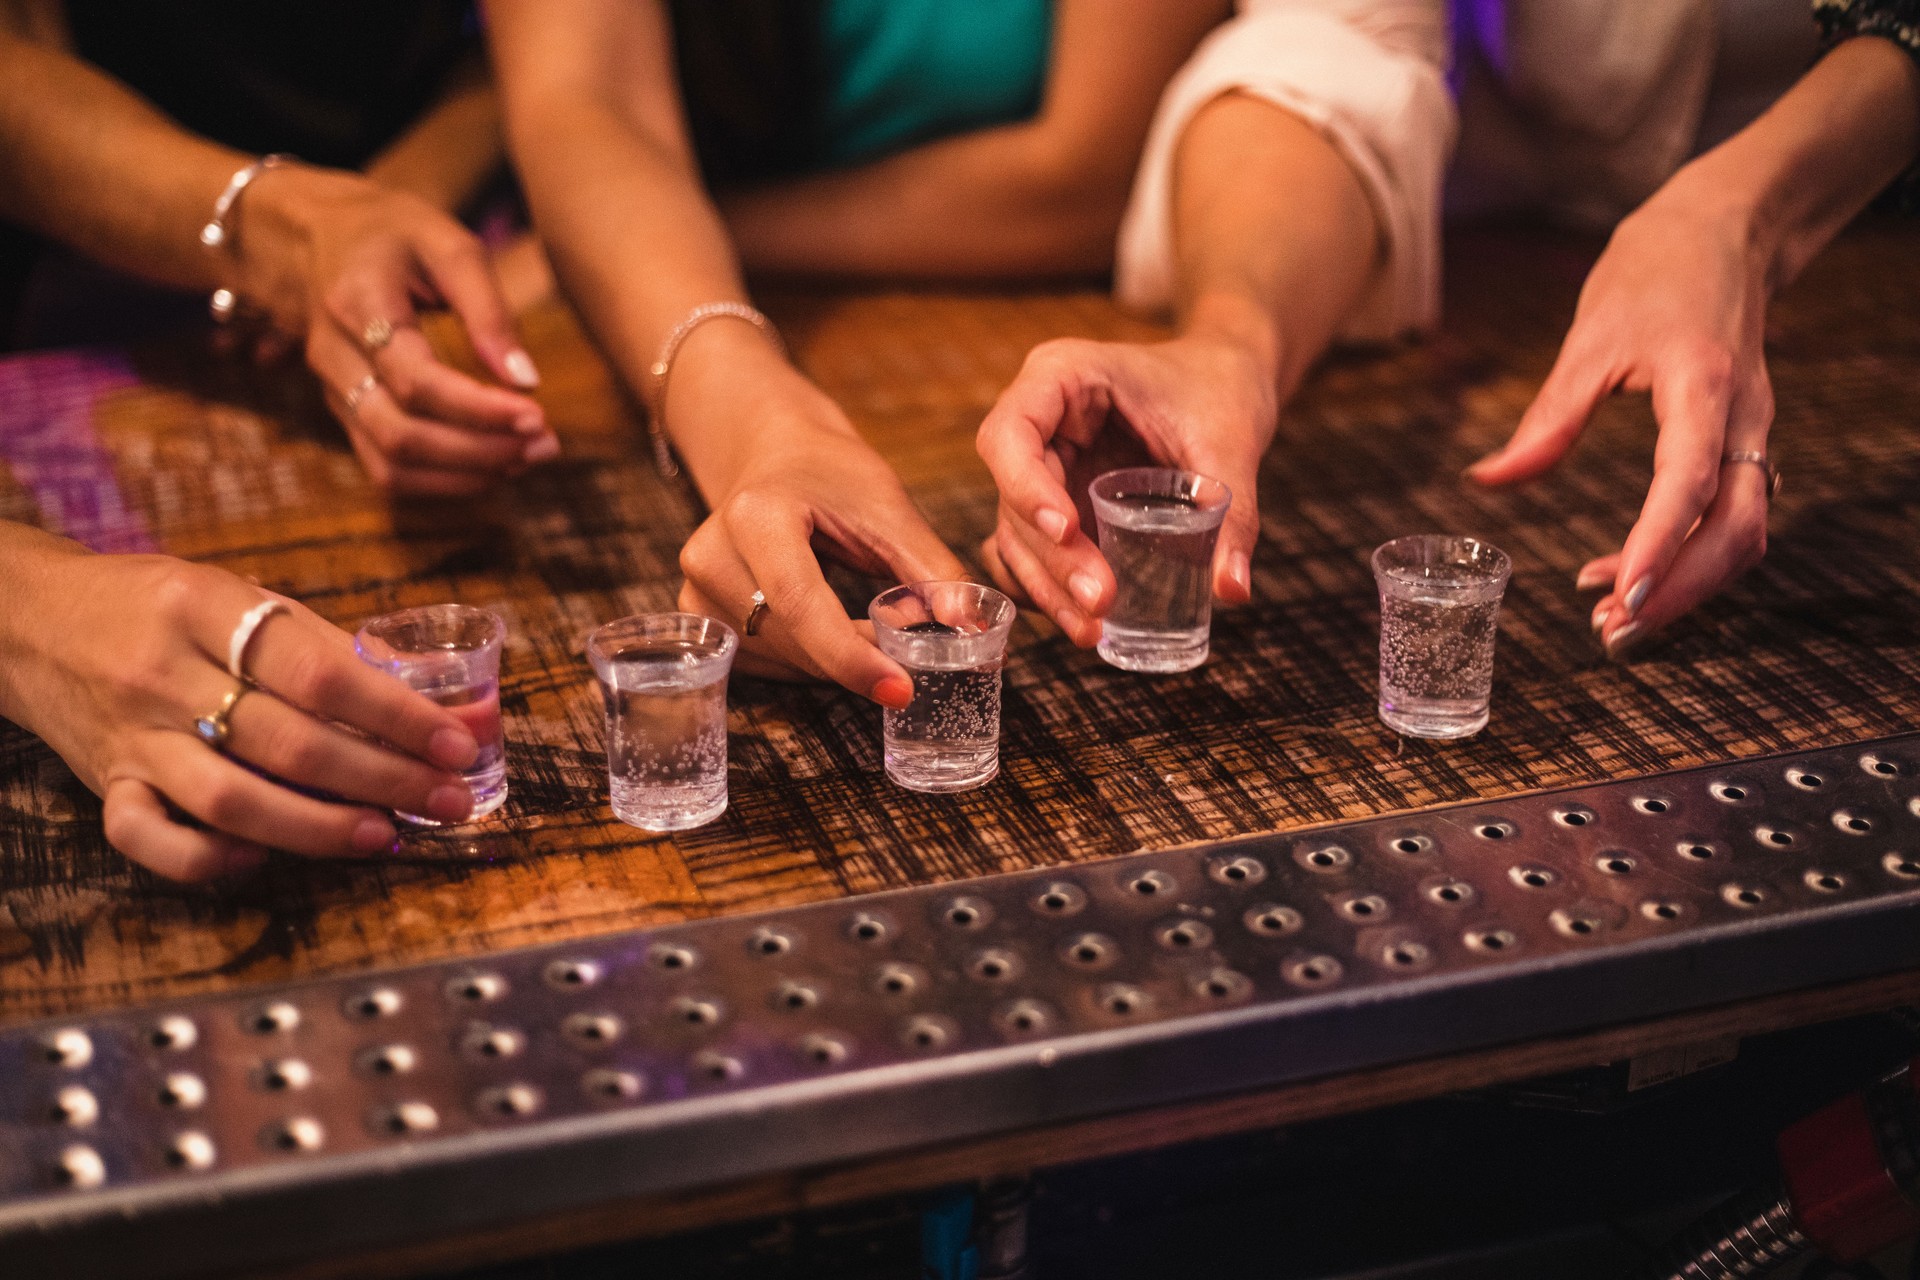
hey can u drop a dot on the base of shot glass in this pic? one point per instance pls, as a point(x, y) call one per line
point(1154, 652)
point(1434, 717)
point(919, 767)
point(651, 807)
point(489, 787)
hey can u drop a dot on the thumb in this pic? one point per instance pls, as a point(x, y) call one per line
point(1548, 429)
point(1239, 470)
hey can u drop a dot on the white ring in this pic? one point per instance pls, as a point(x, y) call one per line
point(243, 634)
point(359, 391)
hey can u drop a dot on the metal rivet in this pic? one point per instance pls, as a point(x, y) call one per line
point(1652, 805)
point(1451, 893)
point(1851, 823)
point(1406, 955)
point(1411, 845)
point(926, 1034)
point(1061, 898)
point(1574, 924)
point(1903, 865)
point(1743, 895)
point(285, 1074)
point(1492, 939)
point(1804, 780)
point(1773, 836)
point(821, 1050)
point(1697, 851)
point(1825, 881)
point(1880, 766)
point(1573, 817)
point(485, 1043)
point(1224, 985)
point(1326, 858)
point(571, 975)
point(68, 1047)
point(375, 1002)
point(769, 942)
point(477, 988)
point(1272, 920)
point(406, 1117)
point(1024, 1018)
point(1151, 884)
point(1494, 830)
point(1184, 935)
point(388, 1060)
point(966, 912)
point(173, 1032)
point(1532, 877)
point(869, 928)
point(592, 1030)
point(896, 980)
point(271, 1018)
point(1313, 971)
point(1369, 908)
point(1615, 864)
point(1663, 911)
point(793, 996)
point(182, 1091)
point(75, 1106)
point(81, 1168)
point(1239, 870)
point(508, 1101)
point(671, 958)
point(996, 965)
point(299, 1133)
point(1122, 1001)
point(1728, 792)
point(191, 1150)
point(607, 1085)
point(1089, 951)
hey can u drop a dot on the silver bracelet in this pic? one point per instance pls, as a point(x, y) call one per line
point(215, 234)
point(663, 365)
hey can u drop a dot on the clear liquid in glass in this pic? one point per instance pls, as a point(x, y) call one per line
point(1436, 661)
point(1160, 547)
point(477, 707)
point(667, 736)
point(948, 737)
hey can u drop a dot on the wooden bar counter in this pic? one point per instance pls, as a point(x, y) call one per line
point(173, 449)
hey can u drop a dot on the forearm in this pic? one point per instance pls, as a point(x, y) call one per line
point(86, 162)
point(1791, 180)
point(1274, 238)
point(996, 203)
point(451, 150)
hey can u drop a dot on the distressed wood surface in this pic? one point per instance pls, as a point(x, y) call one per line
point(173, 449)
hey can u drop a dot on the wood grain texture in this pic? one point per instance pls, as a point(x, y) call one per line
point(173, 449)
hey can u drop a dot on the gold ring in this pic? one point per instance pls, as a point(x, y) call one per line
point(756, 613)
point(377, 334)
point(1759, 459)
point(215, 729)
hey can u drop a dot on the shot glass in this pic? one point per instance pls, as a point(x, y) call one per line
point(1157, 529)
point(451, 653)
point(952, 638)
point(663, 678)
point(1439, 610)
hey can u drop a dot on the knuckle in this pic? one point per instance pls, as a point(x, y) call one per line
point(223, 804)
point(314, 679)
point(177, 591)
point(120, 823)
point(752, 510)
point(289, 748)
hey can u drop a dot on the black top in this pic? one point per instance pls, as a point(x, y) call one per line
point(1895, 20)
point(331, 81)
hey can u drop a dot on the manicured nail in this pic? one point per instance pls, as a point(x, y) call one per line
point(1600, 617)
point(1240, 571)
point(1622, 640)
point(1086, 589)
point(1052, 523)
point(450, 803)
point(893, 691)
point(520, 370)
point(543, 449)
point(452, 748)
point(1637, 595)
point(530, 423)
point(374, 835)
point(1473, 472)
point(1592, 579)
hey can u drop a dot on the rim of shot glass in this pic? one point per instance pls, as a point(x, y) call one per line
point(1404, 561)
point(719, 640)
point(1206, 496)
point(375, 640)
point(990, 612)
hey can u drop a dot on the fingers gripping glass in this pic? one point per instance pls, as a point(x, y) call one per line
point(952, 638)
point(1157, 530)
point(451, 653)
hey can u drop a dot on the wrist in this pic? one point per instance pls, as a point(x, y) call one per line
point(34, 567)
point(731, 394)
point(1235, 321)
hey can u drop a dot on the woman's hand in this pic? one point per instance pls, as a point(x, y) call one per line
point(111, 659)
point(1676, 306)
point(1078, 408)
point(325, 254)
point(811, 485)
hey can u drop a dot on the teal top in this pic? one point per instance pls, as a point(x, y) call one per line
point(899, 72)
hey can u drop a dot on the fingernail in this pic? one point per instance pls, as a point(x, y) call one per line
point(530, 423)
point(1070, 620)
point(1240, 570)
point(1592, 579)
point(1637, 596)
point(1052, 523)
point(520, 370)
point(373, 835)
point(544, 449)
point(1622, 640)
point(1600, 620)
point(450, 803)
point(893, 691)
point(1086, 589)
point(1473, 472)
point(452, 748)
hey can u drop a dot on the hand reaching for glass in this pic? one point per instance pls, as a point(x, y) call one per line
point(1080, 408)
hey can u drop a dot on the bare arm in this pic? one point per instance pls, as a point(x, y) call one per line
point(1274, 241)
point(453, 149)
point(1043, 197)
